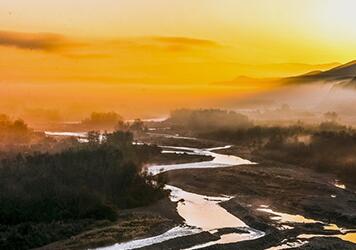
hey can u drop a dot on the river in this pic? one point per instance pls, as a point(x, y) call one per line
point(200, 212)
point(203, 213)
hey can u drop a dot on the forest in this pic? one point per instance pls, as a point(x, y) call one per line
point(206, 119)
point(327, 147)
point(81, 183)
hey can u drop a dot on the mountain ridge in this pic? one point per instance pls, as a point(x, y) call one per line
point(343, 75)
point(344, 72)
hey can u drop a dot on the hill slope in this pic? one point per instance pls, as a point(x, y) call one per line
point(345, 73)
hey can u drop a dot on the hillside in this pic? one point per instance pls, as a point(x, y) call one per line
point(344, 73)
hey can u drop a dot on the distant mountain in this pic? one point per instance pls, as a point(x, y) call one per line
point(328, 90)
point(342, 76)
point(345, 74)
point(245, 80)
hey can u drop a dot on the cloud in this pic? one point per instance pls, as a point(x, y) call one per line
point(87, 55)
point(185, 41)
point(104, 48)
point(34, 41)
point(165, 43)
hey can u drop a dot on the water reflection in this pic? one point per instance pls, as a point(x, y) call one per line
point(338, 184)
point(348, 237)
point(205, 213)
point(351, 237)
point(288, 245)
point(175, 232)
point(67, 134)
point(231, 238)
point(287, 218)
point(342, 233)
point(220, 160)
point(200, 212)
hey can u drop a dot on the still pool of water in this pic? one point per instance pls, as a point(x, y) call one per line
point(202, 211)
point(351, 237)
point(287, 218)
point(344, 234)
point(339, 184)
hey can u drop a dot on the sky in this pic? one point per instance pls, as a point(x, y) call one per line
point(107, 50)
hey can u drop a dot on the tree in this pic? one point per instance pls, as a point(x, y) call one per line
point(93, 137)
point(121, 125)
point(137, 126)
point(331, 116)
point(102, 120)
point(120, 138)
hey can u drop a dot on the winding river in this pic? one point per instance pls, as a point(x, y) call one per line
point(201, 213)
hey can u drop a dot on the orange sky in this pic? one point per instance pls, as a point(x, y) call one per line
point(165, 47)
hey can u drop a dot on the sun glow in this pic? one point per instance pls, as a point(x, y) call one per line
point(203, 45)
point(337, 18)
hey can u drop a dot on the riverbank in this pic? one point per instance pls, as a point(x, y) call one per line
point(173, 158)
point(261, 193)
point(132, 224)
point(300, 190)
point(135, 223)
point(278, 187)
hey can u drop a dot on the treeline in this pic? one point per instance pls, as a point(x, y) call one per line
point(329, 147)
point(325, 151)
point(17, 137)
point(89, 181)
point(101, 121)
point(256, 136)
point(13, 131)
point(110, 121)
point(207, 119)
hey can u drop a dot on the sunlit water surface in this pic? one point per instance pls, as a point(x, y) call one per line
point(203, 213)
point(219, 161)
point(344, 234)
point(200, 212)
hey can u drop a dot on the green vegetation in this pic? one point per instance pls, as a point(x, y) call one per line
point(87, 182)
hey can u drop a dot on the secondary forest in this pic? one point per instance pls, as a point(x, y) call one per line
point(48, 196)
point(328, 147)
point(53, 189)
